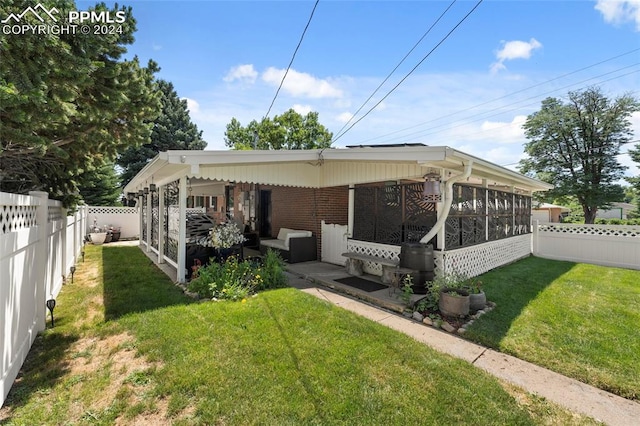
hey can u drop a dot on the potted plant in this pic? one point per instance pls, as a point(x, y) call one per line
point(477, 298)
point(226, 238)
point(97, 235)
point(447, 291)
point(454, 302)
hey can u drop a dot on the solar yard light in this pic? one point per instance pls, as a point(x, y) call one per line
point(51, 303)
point(73, 271)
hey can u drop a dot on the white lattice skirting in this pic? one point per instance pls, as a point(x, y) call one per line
point(374, 249)
point(478, 259)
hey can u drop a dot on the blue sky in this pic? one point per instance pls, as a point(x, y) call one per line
point(473, 92)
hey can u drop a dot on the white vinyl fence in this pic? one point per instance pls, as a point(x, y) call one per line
point(39, 243)
point(125, 218)
point(608, 245)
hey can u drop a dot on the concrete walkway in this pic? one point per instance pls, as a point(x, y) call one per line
point(316, 278)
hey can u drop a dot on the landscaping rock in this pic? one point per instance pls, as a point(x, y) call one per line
point(447, 327)
point(418, 316)
point(462, 330)
point(427, 321)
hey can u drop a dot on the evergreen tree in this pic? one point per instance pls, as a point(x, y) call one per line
point(172, 129)
point(100, 186)
point(68, 101)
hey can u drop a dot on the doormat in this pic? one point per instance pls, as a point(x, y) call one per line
point(361, 284)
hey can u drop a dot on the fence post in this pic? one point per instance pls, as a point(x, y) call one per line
point(534, 243)
point(41, 258)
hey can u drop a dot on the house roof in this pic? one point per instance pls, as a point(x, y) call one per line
point(547, 206)
point(327, 167)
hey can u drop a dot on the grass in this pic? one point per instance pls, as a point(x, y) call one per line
point(576, 319)
point(129, 348)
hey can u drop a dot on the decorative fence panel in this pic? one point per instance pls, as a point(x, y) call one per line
point(608, 245)
point(38, 245)
point(125, 218)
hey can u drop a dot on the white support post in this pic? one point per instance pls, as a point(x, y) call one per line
point(351, 212)
point(149, 220)
point(535, 238)
point(182, 230)
point(140, 215)
point(161, 235)
point(485, 185)
point(41, 261)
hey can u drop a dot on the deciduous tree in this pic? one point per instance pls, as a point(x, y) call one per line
point(290, 130)
point(574, 145)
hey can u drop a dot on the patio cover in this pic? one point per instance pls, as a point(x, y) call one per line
point(327, 167)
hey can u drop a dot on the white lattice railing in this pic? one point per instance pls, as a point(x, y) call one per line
point(606, 230)
point(475, 260)
point(385, 251)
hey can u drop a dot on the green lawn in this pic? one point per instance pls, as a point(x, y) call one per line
point(577, 319)
point(128, 347)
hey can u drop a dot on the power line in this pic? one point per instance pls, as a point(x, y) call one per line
point(412, 70)
point(292, 58)
point(510, 94)
point(397, 66)
point(487, 114)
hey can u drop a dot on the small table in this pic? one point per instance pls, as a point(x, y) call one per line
point(394, 275)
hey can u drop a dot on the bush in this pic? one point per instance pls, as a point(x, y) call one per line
point(235, 280)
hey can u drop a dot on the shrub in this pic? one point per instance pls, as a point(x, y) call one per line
point(235, 280)
point(272, 271)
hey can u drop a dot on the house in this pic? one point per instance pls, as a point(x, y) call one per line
point(616, 211)
point(549, 213)
point(478, 217)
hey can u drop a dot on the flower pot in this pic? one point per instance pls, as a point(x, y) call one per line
point(97, 238)
point(115, 236)
point(477, 301)
point(454, 305)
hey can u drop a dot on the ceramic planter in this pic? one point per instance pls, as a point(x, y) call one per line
point(454, 302)
point(477, 301)
point(98, 238)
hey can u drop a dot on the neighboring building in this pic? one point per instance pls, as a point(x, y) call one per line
point(616, 211)
point(549, 213)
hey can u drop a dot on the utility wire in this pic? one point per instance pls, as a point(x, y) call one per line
point(397, 66)
point(487, 114)
point(292, 58)
point(412, 70)
point(508, 95)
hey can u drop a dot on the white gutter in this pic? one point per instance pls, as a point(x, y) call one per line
point(443, 214)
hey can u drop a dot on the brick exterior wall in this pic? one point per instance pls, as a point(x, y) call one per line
point(306, 208)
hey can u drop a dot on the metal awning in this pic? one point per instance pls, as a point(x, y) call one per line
point(327, 167)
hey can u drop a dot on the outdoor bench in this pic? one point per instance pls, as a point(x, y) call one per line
point(392, 273)
point(293, 245)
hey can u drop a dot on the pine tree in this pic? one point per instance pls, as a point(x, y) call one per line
point(172, 129)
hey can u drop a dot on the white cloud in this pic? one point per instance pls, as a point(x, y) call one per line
point(302, 109)
point(301, 84)
point(620, 11)
point(193, 105)
point(245, 73)
point(504, 132)
point(515, 49)
point(344, 117)
point(156, 47)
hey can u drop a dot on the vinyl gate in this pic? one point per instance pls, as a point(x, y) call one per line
point(334, 243)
